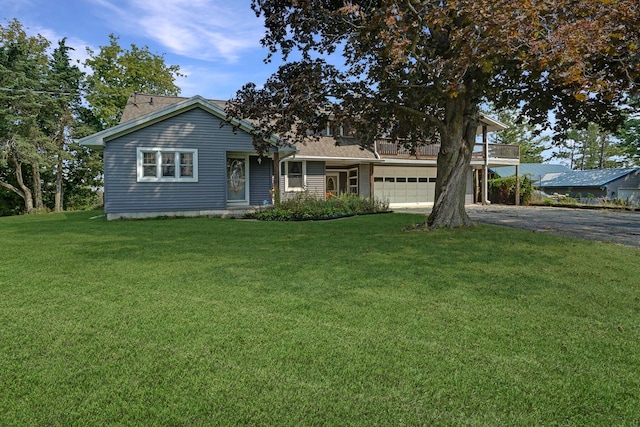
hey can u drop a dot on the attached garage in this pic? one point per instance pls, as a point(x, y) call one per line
point(405, 185)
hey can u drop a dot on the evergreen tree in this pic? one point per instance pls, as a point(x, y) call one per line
point(64, 82)
point(590, 148)
point(23, 144)
point(523, 134)
point(629, 135)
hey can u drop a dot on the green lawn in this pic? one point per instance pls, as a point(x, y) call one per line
point(347, 322)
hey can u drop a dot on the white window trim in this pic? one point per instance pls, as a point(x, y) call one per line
point(159, 178)
point(329, 130)
point(247, 196)
point(353, 189)
point(286, 176)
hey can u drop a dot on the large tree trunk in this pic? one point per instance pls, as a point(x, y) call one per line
point(454, 160)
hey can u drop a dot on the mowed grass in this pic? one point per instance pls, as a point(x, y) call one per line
point(347, 322)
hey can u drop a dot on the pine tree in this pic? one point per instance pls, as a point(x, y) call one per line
point(23, 144)
point(523, 134)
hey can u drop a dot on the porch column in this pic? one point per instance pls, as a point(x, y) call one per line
point(476, 186)
point(517, 185)
point(485, 166)
point(276, 178)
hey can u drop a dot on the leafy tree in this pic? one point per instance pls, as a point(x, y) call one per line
point(117, 73)
point(521, 133)
point(23, 144)
point(415, 69)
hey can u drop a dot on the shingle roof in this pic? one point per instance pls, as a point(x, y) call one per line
point(140, 104)
point(588, 178)
point(535, 170)
point(348, 148)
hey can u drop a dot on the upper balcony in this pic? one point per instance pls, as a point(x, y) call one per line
point(387, 148)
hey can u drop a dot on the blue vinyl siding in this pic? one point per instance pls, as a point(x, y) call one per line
point(260, 181)
point(193, 129)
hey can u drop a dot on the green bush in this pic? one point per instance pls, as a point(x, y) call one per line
point(305, 207)
point(503, 190)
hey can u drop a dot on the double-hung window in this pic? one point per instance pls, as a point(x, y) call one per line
point(294, 176)
point(167, 165)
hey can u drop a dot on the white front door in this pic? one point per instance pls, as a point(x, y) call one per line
point(237, 182)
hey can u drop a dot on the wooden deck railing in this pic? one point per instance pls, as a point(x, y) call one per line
point(387, 148)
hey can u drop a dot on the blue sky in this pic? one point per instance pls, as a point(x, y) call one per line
point(216, 43)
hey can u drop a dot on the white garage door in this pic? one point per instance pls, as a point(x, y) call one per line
point(404, 186)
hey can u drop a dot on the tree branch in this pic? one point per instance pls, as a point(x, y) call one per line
point(12, 188)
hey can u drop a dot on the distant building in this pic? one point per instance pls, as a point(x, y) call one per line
point(621, 183)
point(534, 171)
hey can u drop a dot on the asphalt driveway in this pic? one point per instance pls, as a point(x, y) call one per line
point(592, 224)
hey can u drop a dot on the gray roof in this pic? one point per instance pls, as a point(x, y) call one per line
point(140, 104)
point(588, 178)
point(329, 147)
point(534, 170)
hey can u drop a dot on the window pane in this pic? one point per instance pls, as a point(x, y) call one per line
point(149, 171)
point(295, 174)
point(149, 164)
point(186, 164)
point(168, 164)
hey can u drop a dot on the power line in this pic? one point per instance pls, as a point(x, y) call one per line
point(44, 92)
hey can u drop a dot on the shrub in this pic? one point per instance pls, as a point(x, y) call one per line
point(305, 207)
point(503, 190)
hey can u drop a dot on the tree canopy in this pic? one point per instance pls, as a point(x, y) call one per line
point(420, 70)
point(629, 134)
point(117, 73)
point(23, 143)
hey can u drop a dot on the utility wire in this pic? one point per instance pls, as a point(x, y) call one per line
point(45, 92)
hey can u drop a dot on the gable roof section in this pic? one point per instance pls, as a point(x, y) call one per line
point(143, 116)
point(588, 178)
point(140, 104)
point(535, 170)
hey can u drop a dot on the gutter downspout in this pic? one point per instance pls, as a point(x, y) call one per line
point(375, 150)
point(375, 153)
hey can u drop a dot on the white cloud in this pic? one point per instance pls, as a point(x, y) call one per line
point(211, 30)
point(203, 81)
